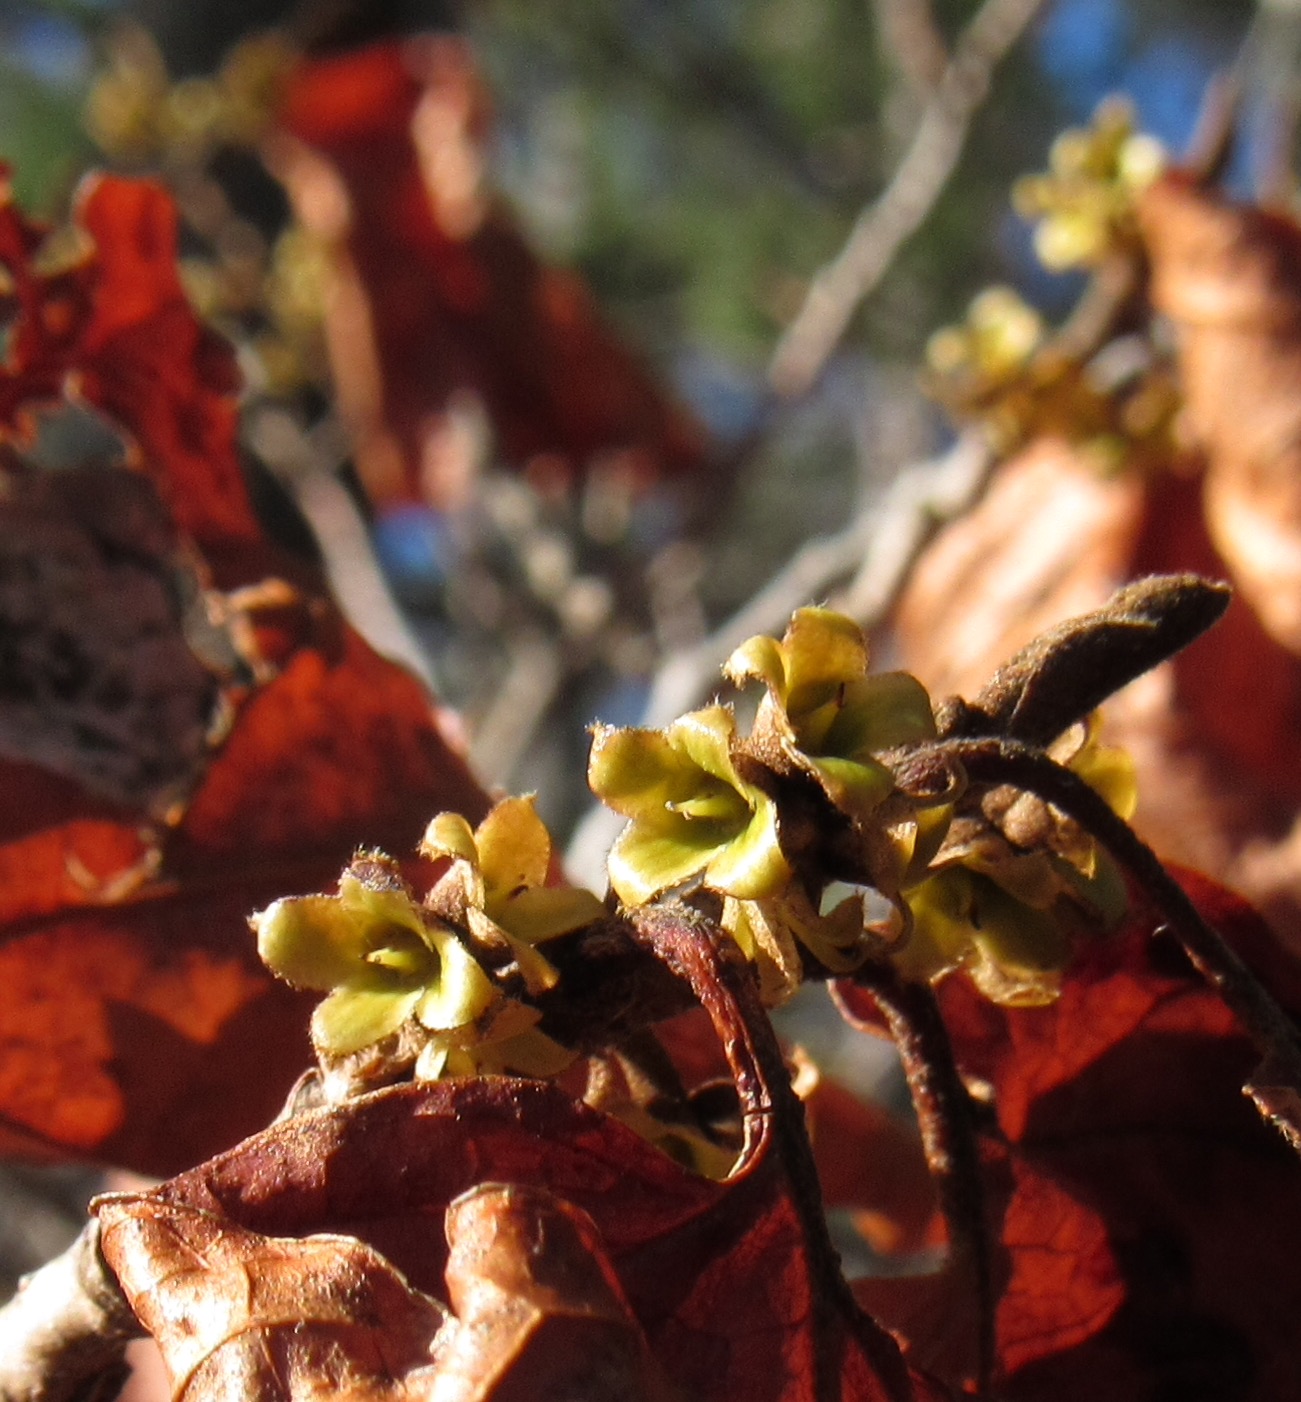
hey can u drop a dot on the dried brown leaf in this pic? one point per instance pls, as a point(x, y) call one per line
point(243, 1316)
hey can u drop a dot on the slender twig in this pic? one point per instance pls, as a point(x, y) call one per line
point(511, 722)
point(944, 1115)
point(63, 1336)
point(913, 40)
point(923, 498)
point(884, 226)
point(994, 760)
point(700, 954)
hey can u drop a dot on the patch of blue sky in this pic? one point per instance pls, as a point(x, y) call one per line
point(1166, 81)
point(415, 548)
point(50, 48)
point(1083, 46)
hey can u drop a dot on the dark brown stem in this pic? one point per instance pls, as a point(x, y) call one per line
point(944, 1115)
point(995, 760)
point(610, 985)
point(705, 958)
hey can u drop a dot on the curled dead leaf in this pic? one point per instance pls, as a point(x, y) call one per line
point(239, 1315)
point(436, 292)
point(1226, 275)
point(538, 1308)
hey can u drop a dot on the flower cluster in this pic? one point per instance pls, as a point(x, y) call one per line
point(818, 841)
point(432, 980)
point(1083, 206)
point(804, 832)
point(983, 366)
point(1013, 878)
point(1003, 367)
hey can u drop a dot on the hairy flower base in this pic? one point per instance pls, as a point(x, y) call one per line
point(496, 886)
point(769, 933)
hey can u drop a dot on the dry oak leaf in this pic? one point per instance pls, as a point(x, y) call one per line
point(1150, 1218)
point(734, 1283)
point(148, 362)
point(98, 316)
point(238, 1315)
point(1228, 276)
point(136, 1023)
point(436, 290)
point(536, 1310)
point(44, 305)
point(1052, 538)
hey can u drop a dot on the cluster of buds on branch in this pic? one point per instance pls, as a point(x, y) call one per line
point(1099, 381)
point(856, 823)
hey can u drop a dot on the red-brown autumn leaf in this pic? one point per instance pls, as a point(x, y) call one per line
point(1051, 539)
point(44, 305)
point(734, 1283)
point(136, 1023)
point(97, 315)
point(151, 365)
point(538, 1307)
point(1131, 1182)
point(437, 291)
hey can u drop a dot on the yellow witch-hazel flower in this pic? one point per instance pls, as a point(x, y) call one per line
point(823, 714)
point(827, 715)
point(769, 932)
point(496, 886)
point(1009, 883)
point(690, 811)
point(381, 959)
point(496, 890)
point(992, 347)
point(1084, 205)
point(692, 814)
point(396, 969)
point(997, 366)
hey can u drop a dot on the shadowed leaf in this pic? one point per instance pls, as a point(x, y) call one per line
point(1135, 1177)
